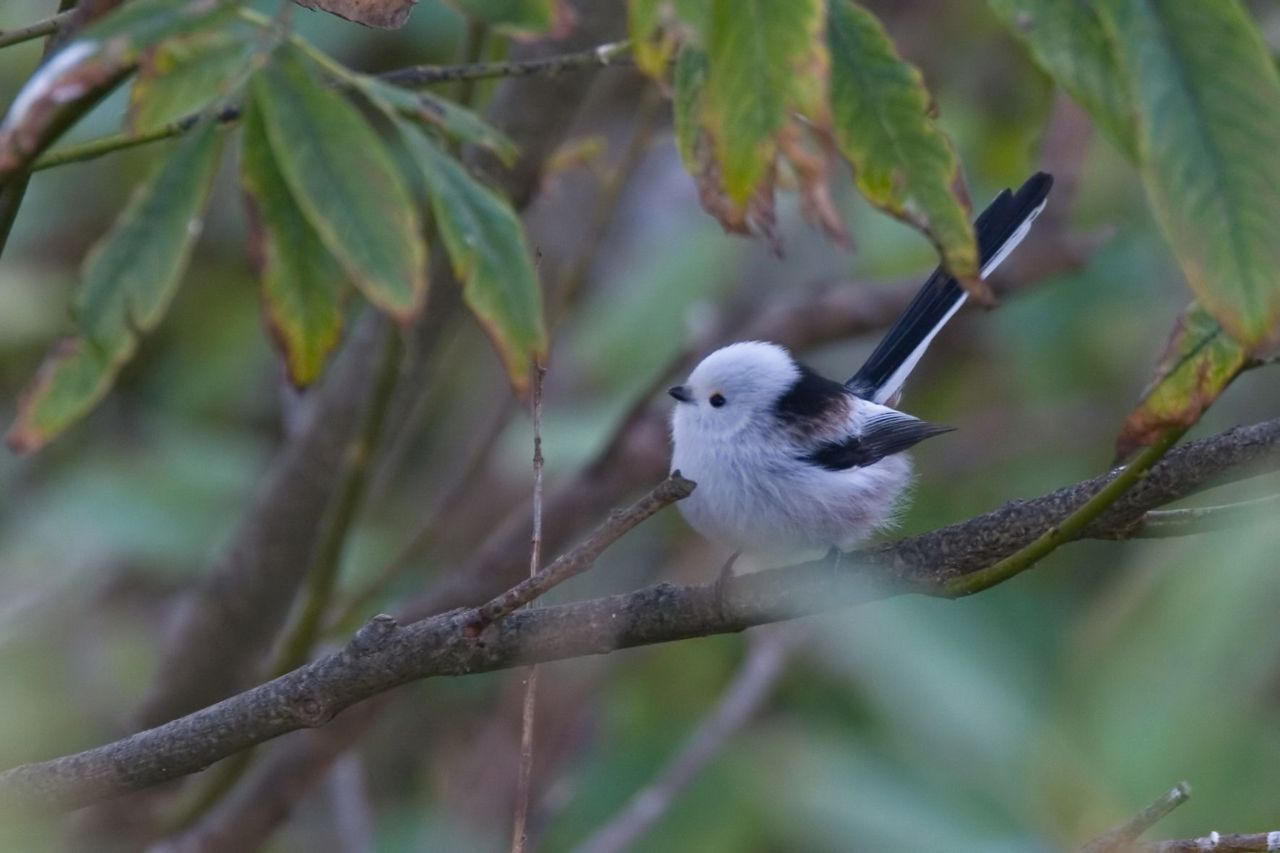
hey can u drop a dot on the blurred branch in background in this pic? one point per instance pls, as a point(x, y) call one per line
point(746, 695)
point(384, 655)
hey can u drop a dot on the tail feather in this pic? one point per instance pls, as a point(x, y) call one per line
point(999, 229)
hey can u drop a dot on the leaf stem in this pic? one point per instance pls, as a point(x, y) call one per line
point(1069, 528)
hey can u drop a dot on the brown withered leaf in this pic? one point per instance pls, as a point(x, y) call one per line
point(812, 170)
point(757, 218)
point(382, 14)
point(1199, 362)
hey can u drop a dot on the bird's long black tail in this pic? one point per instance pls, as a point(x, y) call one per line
point(999, 229)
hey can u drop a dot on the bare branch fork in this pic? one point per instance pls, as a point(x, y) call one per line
point(383, 655)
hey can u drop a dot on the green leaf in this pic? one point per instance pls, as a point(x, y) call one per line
point(181, 76)
point(1068, 40)
point(345, 183)
point(1199, 362)
point(456, 122)
point(759, 52)
point(519, 18)
point(302, 284)
point(686, 103)
point(129, 280)
point(902, 161)
point(487, 249)
point(1208, 131)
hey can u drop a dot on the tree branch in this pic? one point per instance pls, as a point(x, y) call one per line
point(384, 655)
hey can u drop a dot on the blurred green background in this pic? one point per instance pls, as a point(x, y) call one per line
point(1028, 718)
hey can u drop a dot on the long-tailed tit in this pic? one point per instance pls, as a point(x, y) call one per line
point(790, 464)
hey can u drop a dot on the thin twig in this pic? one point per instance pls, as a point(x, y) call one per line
point(1169, 523)
point(604, 56)
point(1121, 837)
point(741, 701)
point(44, 27)
point(584, 555)
point(524, 777)
point(1214, 841)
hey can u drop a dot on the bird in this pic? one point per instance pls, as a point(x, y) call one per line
point(790, 464)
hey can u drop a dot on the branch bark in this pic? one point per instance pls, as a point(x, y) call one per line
point(384, 655)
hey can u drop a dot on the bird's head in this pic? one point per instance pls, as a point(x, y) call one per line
point(734, 387)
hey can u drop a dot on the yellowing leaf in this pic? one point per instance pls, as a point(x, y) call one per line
point(658, 27)
point(1198, 364)
point(345, 182)
point(1207, 96)
point(129, 279)
point(487, 249)
point(758, 53)
point(902, 161)
point(302, 284)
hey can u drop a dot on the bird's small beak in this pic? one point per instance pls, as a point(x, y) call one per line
point(681, 393)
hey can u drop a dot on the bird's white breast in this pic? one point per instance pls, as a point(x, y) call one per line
point(755, 495)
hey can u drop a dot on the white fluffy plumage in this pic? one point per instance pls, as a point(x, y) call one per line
point(756, 492)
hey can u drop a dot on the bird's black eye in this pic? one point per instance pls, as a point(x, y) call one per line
point(717, 400)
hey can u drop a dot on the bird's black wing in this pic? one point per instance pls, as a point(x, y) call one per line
point(882, 435)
